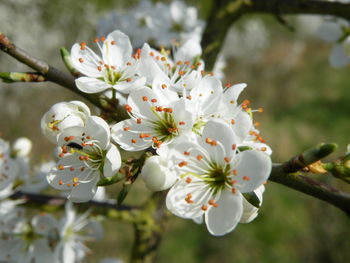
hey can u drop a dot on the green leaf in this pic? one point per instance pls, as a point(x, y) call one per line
point(123, 193)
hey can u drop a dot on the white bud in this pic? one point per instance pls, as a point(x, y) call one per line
point(22, 147)
point(156, 174)
point(63, 115)
point(250, 212)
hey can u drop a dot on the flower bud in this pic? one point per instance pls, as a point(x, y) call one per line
point(63, 115)
point(156, 174)
point(22, 147)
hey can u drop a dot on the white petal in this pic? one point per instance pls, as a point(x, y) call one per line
point(83, 192)
point(253, 170)
point(140, 102)
point(22, 147)
point(99, 130)
point(243, 123)
point(112, 162)
point(221, 132)
point(129, 140)
point(127, 86)
point(224, 218)
point(90, 61)
point(91, 85)
point(119, 53)
point(189, 50)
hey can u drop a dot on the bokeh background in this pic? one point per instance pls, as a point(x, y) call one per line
point(305, 102)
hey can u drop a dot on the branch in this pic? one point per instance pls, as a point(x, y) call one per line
point(287, 174)
point(225, 12)
point(50, 73)
point(53, 203)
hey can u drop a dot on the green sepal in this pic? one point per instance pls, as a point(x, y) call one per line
point(104, 181)
point(244, 148)
point(123, 193)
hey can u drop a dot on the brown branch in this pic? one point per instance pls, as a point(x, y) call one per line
point(50, 73)
point(225, 12)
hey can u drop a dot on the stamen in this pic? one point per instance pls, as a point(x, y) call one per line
point(183, 163)
point(246, 178)
point(164, 86)
point(234, 147)
point(133, 140)
point(186, 153)
point(188, 180)
point(204, 207)
point(128, 108)
point(145, 98)
point(181, 123)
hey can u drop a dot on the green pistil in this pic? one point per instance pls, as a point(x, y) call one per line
point(165, 128)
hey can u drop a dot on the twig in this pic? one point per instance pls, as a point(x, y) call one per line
point(50, 73)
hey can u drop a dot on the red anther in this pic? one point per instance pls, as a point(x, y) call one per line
point(64, 149)
point(186, 153)
point(233, 190)
point(208, 140)
point(127, 108)
point(188, 180)
point(234, 172)
point(113, 42)
point(213, 143)
point(88, 137)
point(213, 203)
point(145, 98)
point(182, 164)
point(144, 135)
point(193, 67)
point(81, 60)
point(154, 100)
point(133, 140)
point(96, 40)
point(137, 54)
point(233, 121)
point(72, 169)
point(199, 157)
point(138, 121)
point(60, 182)
point(128, 79)
point(228, 85)
point(159, 108)
point(99, 68)
point(164, 86)
point(204, 207)
point(81, 157)
point(246, 178)
point(181, 72)
point(68, 138)
point(60, 167)
point(83, 144)
point(226, 159)
point(168, 110)
point(187, 63)
point(102, 38)
point(82, 45)
point(182, 123)
point(233, 182)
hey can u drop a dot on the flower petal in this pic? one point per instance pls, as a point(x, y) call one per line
point(112, 161)
point(84, 192)
point(91, 85)
point(224, 218)
point(90, 61)
point(253, 169)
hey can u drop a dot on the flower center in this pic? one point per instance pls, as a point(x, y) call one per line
point(165, 128)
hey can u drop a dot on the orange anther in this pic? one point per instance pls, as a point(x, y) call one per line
point(151, 54)
point(234, 190)
point(204, 207)
point(144, 135)
point(183, 163)
point(199, 157)
point(75, 179)
point(234, 147)
point(127, 108)
point(164, 86)
point(226, 159)
point(213, 203)
point(82, 169)
point(233, 121)
point(163, 59)
point(182, 123)
point(68, 138)
point(186, 153)
point(96, 40)
point(154, 100)
point(145, 98)
point(208, 140)
point(263, 149)
point(82, 45)
point(126, 128)
point(81, 60)
point(60, 182)
point(138, 121)
point(260, 110)
point(181, 72)
point(133, 140)
point(99, 68)
point(234, 172)
point(189, 97)
point(188, 180)
point(168, 110)
point(60, 167)
point(246, 178)
point(102, 38)
point(113, 42)
point(128, 79)
point(257, 124)
point(228, 85)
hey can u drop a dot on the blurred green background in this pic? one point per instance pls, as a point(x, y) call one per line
point(305, 101)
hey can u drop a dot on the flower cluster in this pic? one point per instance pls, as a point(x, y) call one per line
point(209, 152)
point(43, 238)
